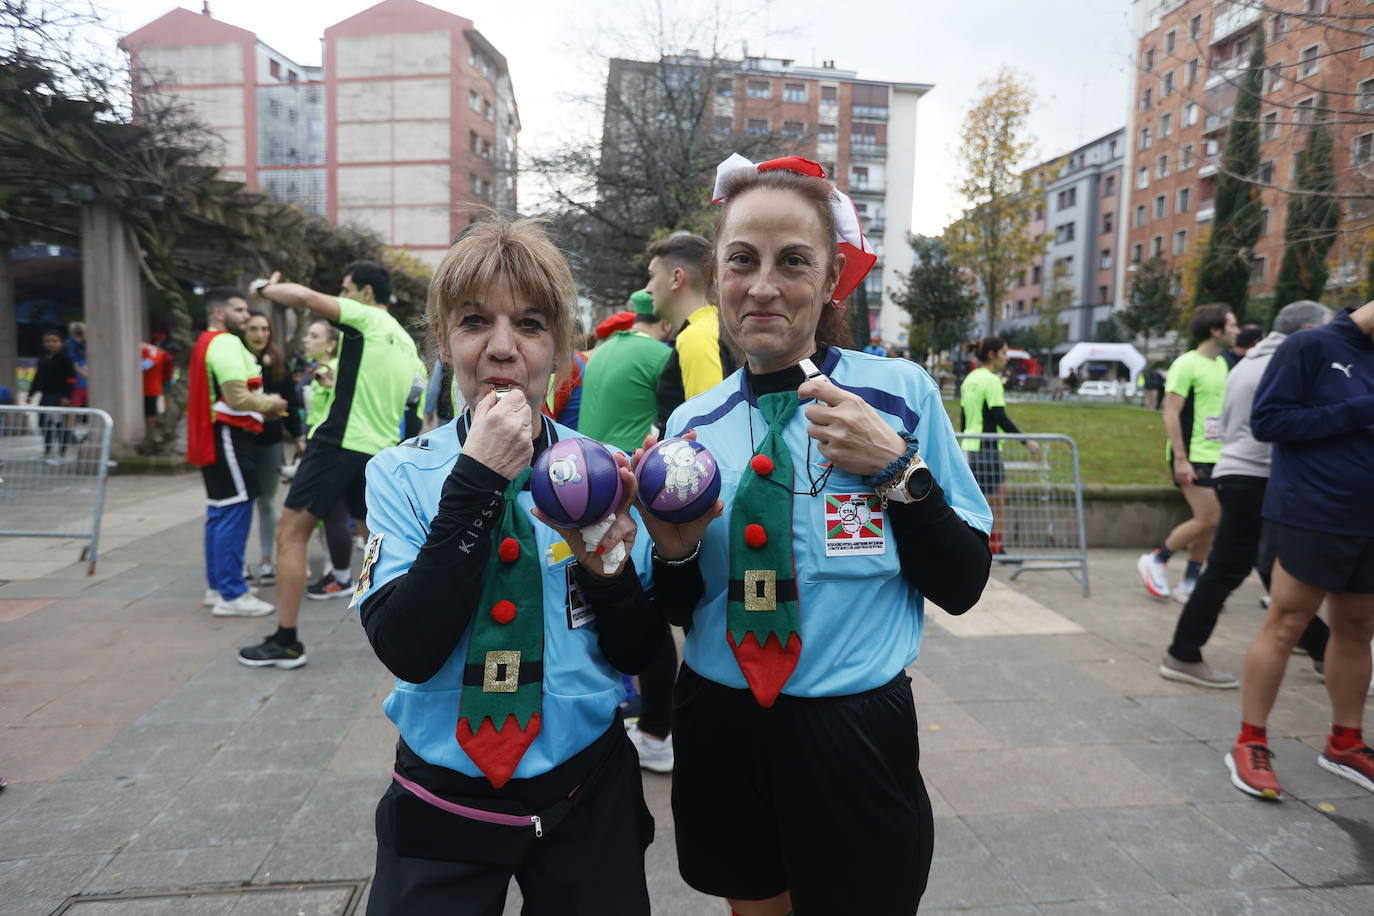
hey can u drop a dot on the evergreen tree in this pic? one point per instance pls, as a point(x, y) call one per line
point(938, 296)
point(1225, 272)
point(1313, 215)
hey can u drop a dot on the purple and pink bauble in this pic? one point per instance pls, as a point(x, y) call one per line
point(576, 483)
point(678, 480)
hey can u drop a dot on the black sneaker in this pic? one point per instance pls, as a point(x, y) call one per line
point(328, 587)
point(271, 654)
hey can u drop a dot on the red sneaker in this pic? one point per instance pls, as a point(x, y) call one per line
point(1251, 771)
point(1355, 764)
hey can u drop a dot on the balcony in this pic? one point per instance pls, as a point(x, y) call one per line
point(867, 151)
point(1213, 124)
point(1230, 18)
point(875, 226)
point(869, 112)
point(1208, 168)
point(1206, 210)
point(867, 187)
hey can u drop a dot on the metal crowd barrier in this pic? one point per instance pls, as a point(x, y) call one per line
point(54, 462)
point(1041, 502)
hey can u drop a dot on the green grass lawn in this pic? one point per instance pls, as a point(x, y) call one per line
point(1117, 444)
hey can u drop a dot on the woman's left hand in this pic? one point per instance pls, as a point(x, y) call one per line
point(848, 432)
point(622, 529)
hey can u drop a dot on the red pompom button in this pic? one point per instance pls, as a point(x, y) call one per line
point(509, 550)
point(762, 465)
point(755, 535)
point(503, 611)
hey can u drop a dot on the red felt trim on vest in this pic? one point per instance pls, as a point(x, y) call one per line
point(766, 668)
point(497, 752)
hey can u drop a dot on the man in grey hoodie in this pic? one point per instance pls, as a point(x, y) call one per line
point(1240, 477)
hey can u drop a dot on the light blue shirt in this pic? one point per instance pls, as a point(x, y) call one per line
point(861, 620)
point(581, 689)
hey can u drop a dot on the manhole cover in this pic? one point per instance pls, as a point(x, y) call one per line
point(322, 898)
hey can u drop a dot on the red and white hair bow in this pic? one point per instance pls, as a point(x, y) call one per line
point(859, 257)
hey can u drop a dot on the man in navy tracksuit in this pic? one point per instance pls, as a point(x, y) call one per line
point(1316, 404)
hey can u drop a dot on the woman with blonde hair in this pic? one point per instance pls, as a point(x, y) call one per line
point(506, 634)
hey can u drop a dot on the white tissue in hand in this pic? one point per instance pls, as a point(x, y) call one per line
point(592, 534)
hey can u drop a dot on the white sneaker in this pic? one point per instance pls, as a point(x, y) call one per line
point(212, 597)
point(655, 754)
point(1154, 574)
point(1183, 591)
point(245, 605)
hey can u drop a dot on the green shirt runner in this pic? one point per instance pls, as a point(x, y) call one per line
point(619, 403)
point(376, 365)
point(981, 392)
point(1201, 382)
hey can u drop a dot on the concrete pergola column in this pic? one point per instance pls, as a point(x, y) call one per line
point(112, 295)
point(9, 325)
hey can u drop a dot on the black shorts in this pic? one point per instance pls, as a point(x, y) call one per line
point(1203, 470)
point(150, 405)
point(233, 478)
point(1335, 563)
point(589, 860)
point(820, 797)
point(986, 464)
point(327, 474)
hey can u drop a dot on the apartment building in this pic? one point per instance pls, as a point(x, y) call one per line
point(1079, 213)
point(407, 127)
point(862, 131)
point(1190, 55)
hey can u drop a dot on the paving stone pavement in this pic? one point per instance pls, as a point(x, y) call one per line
point(1066, 776)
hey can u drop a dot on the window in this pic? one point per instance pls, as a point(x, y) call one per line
point(486, 189)
point(1180, 241)
point(1162, 166)
point(1364, 149)
point(1020, 306)
point(1303, 111)
point(825, 133)
point(1139, 215)
point(830, 93)
point(1278, 27)
point(1149, 63)
point(1316, 6)
point(474, 183)
point(474, 141)
point(474, 101)
point(1039, 214)
point(759, 89)
point(1367, 46)
point(1307, 61)
point(1195, 27)
point(486, 109)
point(1104, 259)
point(794, 92)
point(1146, 102)
point(756, 126)
point(274, 68)
point(1142, 177)
point(1063, 232)
point(1166, 85)
point(1137, 253)
point(1190, 114)
point(858, 175)
point(1166, 125)
point(1160, 203)
point(1021, 279)
point(1184, 203)
point(1109, 186)
point(1273, 77)
point(1035, 304)
point(725, 88)
point(1366, 97)
point(1257, 271)
point(1156, 246)
point(1170, 41)
point(1191, 71)
point(1102, 295)
point(1266, 172)
point(1264, 222)
point(1185, 158)
point(1106, 223)
point(1269, 126)
point(1066, 199)
point(1035, 273)
point(1144, 138)
point(724, 125)
point(794, 129)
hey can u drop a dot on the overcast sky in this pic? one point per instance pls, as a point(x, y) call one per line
point(1077, 55)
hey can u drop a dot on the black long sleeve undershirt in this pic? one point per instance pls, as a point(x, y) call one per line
point(415, 622)
point(940, 554)
point(1001, 420)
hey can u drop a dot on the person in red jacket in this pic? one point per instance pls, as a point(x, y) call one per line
point(158, 366)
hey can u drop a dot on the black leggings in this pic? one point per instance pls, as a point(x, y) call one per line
point(1234, 550)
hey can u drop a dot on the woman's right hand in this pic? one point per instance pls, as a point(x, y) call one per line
point(500, 436)
point(325, 377)
point(674, 541)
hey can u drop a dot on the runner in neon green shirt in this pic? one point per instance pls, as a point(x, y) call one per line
point(1193, 398)
point(982, 401)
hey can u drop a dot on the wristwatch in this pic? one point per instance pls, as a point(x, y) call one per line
point(898, 489)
